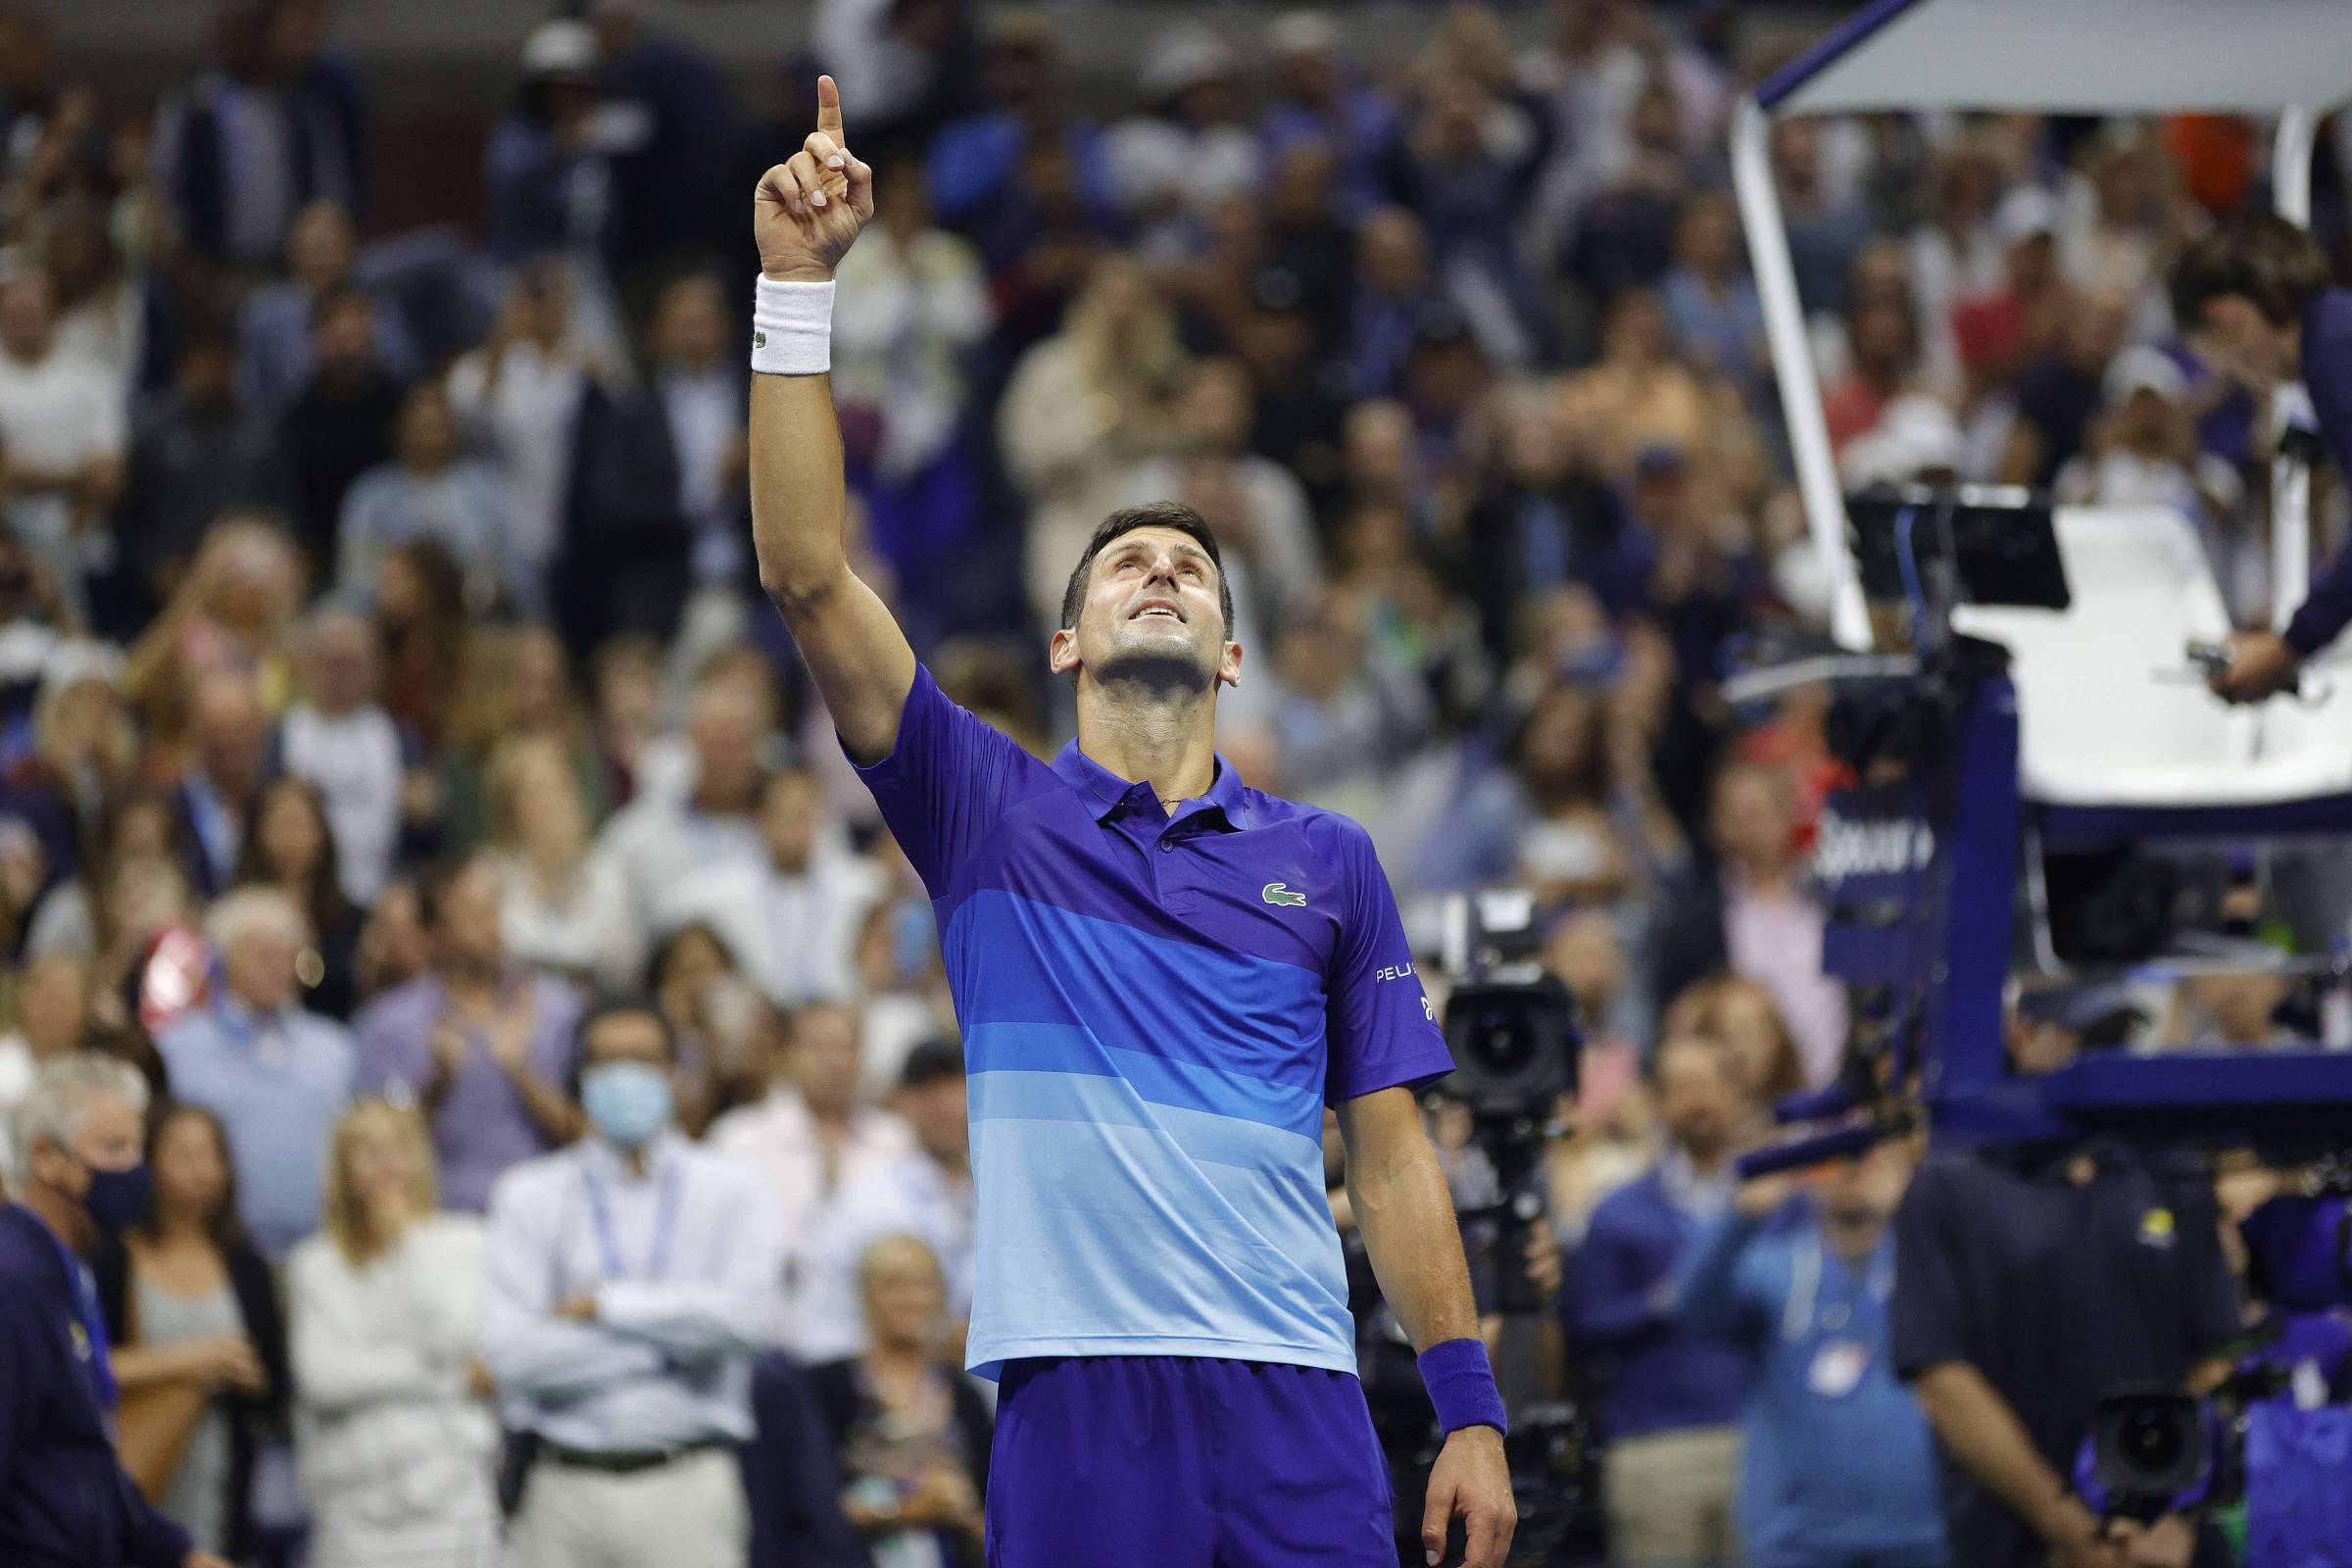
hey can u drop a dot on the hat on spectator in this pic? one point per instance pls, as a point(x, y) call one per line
point(2026, 212)
point(1303, 32)
point(2143, 368)
point(1184, 60)
point(1915, 435)
point(559, 48)
point(79, 659)
point(929, 1062)
point(2082, 1009)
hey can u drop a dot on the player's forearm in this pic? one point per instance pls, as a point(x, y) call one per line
point(800, 498)
point(1980, 1430)
point(1402, 1207)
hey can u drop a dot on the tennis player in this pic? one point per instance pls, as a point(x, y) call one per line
point(1163, 976)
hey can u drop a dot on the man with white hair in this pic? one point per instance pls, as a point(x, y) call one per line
point(276, 1076)
point(64, 1500)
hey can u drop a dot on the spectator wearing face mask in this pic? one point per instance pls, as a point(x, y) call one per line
point(79, 1177)
point(633, 1279)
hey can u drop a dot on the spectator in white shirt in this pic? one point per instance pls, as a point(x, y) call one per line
point(518, 397)
point(632, 1279)
point(343, 742)
point(561, 908)
point(793, 915)
point(393, 1434)
point(932, 1097)
point(659, 839)
point(838, 1173)
point(429, 491)
point(64, 425)
point(1188, 150)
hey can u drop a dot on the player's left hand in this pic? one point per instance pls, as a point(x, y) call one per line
point(1471, 1479)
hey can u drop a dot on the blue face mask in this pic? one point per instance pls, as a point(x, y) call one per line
point(118, 1198)
point(628, 1101)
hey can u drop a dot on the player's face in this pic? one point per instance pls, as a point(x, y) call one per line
point(1151, 609)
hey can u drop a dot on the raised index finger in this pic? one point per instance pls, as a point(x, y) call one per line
point(828, 108)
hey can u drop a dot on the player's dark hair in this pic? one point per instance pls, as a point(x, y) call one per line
point(2264, 259)
point(1126, 520)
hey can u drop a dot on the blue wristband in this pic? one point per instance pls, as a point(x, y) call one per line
point(1462, 1385)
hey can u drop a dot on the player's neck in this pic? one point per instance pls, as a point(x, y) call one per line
point(1168, 738)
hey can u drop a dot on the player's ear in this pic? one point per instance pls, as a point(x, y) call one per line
point(1061, 651)
point(1229, 665)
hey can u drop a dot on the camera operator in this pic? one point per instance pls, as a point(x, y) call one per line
point(2255, 303)
point(2034, 1281)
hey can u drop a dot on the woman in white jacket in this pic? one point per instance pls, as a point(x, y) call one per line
point(393, 1427)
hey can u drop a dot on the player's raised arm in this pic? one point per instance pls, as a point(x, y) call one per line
point(804, 214)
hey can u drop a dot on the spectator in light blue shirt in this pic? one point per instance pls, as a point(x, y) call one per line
point(430, 492)
point(1711, 303)
point(1838, 1470)
point(275, 1076)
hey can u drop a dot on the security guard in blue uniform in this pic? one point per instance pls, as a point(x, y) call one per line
point(64, 1501)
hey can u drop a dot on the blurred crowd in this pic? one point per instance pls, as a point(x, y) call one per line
point(382, 672)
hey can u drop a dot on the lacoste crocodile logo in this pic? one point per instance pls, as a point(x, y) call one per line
point(1276, 893)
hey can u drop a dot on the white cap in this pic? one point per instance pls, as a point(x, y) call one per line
point(77, 659)
point(1183, 61)
point(2027, 213)
point(559, 48)
point(1303, 32)
point(2143, 369)
point(1914, 435)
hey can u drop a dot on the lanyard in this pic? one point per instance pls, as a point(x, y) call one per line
point(93, 1327)
point(665, 1217)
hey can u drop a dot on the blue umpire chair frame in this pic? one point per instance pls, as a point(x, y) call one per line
point(1953, 864)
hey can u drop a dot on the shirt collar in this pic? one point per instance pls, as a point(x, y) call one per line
point(244, 1021)
point(606, 1159)
point(1104, 790)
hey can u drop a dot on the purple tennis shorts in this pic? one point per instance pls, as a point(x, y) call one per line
point(1180, 1462)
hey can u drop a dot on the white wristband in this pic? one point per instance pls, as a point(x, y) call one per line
point(792, 328)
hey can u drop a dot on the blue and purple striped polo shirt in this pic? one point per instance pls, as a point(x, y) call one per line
point(1155, 1010)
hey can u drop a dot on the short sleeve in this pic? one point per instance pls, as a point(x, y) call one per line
point(1929, 1315)
point(948, 781)
point(1382, 1028)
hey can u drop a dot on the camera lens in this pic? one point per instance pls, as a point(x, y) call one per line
point(1505, 1041)
point(2150, 1437)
